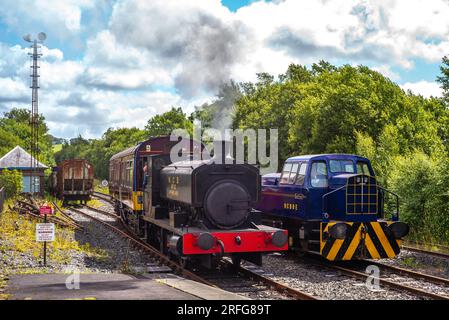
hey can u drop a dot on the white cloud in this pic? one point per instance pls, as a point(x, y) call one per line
point(152, 55)
point(59, 17)
point(387, 72)
point(392, 31)
point(13, 90)
point(424, 88)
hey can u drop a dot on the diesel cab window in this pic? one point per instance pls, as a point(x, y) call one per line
point(318, 175)
point(362, 168)
point(286, 173)
point(301, 174)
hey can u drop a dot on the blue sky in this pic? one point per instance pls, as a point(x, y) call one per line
point(116, 63)
point(233, 5)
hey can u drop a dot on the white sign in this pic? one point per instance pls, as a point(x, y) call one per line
point(45, 232)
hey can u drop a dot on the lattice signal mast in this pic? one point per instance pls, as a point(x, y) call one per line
point(35, 54)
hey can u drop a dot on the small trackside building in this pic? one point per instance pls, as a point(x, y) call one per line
point(20, 160)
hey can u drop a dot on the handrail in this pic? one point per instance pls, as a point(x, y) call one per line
point(324, 204)
point(396, 217)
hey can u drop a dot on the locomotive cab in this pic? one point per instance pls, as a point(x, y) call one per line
point(333, 205)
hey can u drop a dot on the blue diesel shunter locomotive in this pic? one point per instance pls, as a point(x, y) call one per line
point(332, 204)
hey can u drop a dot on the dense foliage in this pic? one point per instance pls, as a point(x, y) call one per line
point(15, 130)
point(444, 78)
point(11, 180)
point(99, 151)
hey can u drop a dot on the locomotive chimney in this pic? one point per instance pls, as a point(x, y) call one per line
point(222, 152)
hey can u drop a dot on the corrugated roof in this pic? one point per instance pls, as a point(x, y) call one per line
point(18, 158)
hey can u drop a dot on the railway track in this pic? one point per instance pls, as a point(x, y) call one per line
point(244, 279)
point(234, 281)
point(410, 273)
point(431, 253)
point(355, 270)
point(103, 196)
point(142, 245)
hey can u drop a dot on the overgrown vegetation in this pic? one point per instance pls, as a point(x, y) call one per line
point(18, 235)
point(11, 180)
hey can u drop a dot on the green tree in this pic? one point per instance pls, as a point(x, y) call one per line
point(444, 78)
point(11, 180)
point(99, 151)
point(164, 124)
point(15, 130)
point(421, 181)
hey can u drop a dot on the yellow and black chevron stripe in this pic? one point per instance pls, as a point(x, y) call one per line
point(372, 240)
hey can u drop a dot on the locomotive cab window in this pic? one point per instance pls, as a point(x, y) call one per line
point(344, 166)
point(300, 177)
point(362, 168)
point(293, 173)
point(286, 173)
point(318, 175)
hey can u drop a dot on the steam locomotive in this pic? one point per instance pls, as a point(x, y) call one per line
point(196, 211)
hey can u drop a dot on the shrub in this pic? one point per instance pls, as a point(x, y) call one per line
point(11, 180)
point(422, 184)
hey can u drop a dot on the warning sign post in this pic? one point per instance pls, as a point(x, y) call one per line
point(45, 231)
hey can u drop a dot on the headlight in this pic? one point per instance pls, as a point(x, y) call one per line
point(399, 229)
point(338, 231)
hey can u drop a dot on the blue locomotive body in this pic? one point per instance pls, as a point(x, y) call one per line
point(332, 204)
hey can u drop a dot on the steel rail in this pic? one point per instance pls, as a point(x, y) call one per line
point(277, 286)
point(432, 253)
point(103, 212)
point(394, 285)
point(353, 273)
point(149, 249)
point(103, 196)
point(410, 273)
